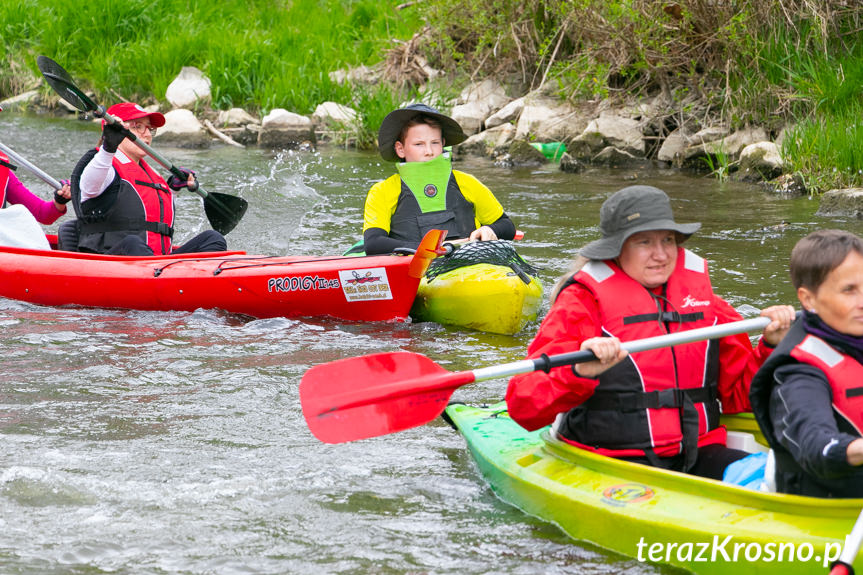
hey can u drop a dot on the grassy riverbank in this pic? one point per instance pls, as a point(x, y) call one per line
point(259, 54)
point(790, 63)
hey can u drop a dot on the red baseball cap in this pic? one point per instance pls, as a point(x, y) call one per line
point(131, 111)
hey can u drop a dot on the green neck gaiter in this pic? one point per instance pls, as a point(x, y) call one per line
point(428, 181)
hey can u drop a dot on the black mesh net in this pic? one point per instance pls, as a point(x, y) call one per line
point(498, 252)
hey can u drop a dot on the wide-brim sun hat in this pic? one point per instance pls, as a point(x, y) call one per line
point(629, 211)
point(392, 126)
point(128, 111)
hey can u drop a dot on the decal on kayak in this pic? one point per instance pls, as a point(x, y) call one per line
point(366, 284)
point(620, 495)
point(301, 283)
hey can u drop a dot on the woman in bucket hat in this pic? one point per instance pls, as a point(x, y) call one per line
point(427, 193)
point(658, 407)
point(124, 206)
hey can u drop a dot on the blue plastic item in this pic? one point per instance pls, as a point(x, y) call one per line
point(747, 472)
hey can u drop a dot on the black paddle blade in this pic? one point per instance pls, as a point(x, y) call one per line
point(224, 211)
point(62, 83)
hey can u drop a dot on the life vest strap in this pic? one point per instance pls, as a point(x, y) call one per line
point(617, 401)
point(156, 186)
point(129, 225)
point(665, 317)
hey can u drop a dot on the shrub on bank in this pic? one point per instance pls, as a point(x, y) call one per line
point(734, 62)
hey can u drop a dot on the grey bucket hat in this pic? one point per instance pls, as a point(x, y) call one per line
point(392, 126)
point(629, 211)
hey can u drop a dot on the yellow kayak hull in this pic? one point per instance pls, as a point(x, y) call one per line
point(654, 515)
point(484, 297)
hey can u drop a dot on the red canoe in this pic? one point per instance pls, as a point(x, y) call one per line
point(370, 288)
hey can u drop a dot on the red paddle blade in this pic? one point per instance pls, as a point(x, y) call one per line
point(372, 395)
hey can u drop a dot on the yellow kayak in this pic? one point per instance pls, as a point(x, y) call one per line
point(498, 295)
point(650, 514)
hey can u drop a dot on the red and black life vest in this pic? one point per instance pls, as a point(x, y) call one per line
point(844, 373)
point(658, 401)
point(845, 377)
point(138, 201)
point(4, 177)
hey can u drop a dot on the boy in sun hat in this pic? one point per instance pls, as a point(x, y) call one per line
point(659, 407)
point(124, 206)
point(427, 193)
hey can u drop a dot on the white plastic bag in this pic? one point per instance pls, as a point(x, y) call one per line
point(19, 229)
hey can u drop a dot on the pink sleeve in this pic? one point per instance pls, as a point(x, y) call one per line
point(44, 211)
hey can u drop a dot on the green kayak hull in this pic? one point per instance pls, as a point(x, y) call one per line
point(649, 514)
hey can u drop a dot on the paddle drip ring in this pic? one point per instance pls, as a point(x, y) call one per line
point(497, 252)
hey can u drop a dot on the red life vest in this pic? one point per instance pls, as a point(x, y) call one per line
point(4, 179)
point(648, 402)
point(156, 198)
point(844, 373)
point(137, 201)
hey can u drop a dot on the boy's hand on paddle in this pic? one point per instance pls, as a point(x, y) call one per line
point(781, 317)
point(608, 353)
point(483, 234)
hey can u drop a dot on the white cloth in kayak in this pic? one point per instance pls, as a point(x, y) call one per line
point(19, 229)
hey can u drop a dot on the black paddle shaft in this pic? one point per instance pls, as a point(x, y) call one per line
point(223, 211)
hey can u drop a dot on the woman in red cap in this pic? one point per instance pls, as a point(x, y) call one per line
point(124, 206)
point(659, 407)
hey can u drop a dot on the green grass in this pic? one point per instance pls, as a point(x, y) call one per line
point(258, 54)
point(826, 148)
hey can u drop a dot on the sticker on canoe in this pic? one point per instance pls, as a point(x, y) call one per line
point(366, 284)
point(301, 283)
point(620, 495)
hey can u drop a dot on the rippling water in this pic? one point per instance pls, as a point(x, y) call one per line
point(169, 443)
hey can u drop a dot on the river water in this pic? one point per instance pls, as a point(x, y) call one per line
point(173, 443)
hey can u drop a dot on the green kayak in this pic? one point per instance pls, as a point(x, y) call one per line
point(649, 514)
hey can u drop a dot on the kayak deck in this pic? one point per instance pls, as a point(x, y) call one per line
point(652, 514)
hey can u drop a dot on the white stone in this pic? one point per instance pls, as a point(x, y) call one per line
point(332, 112)
point(505, 115)
point(281, 118)
point(180, 121)
point(470, 116)
point(548, 121)
point(622, 133)
point(673, 146)
point(189, 87)
point(235, 117)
